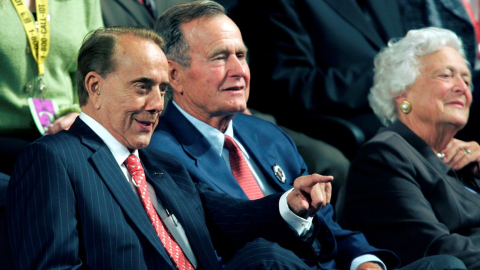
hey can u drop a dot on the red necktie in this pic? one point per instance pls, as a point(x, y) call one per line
point(173, 249)
point(475, 23)
point(241, 171)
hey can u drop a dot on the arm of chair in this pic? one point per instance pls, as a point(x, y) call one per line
point(338, 132)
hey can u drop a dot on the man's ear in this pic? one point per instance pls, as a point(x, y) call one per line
point(175, 76)
point(93, 81)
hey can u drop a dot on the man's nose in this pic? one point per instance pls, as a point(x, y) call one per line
point(237, 67)
point(155, 103)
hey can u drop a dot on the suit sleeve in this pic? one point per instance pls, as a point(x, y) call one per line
point(282, 49)
point(384, 199)
point(234, 222)
point(41, 212)
point(352, 244)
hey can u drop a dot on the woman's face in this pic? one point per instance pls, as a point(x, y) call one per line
point(441, 94)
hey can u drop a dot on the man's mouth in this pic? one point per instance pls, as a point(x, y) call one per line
point(145, 123)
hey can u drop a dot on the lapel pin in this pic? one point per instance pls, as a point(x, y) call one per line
point(278, 171)
point(158, 173)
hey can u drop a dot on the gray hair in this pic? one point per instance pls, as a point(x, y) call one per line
point(168, 26)
point(397, 67)
point(98, 50)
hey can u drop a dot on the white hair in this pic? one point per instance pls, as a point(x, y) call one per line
point(397, 67)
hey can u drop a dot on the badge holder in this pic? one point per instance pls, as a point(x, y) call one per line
point(44, 111)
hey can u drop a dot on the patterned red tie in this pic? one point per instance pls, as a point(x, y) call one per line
point(174, 251)
point(241, 171)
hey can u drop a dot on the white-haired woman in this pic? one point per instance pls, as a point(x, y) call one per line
point(413, 188)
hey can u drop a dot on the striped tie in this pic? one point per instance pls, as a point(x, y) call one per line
point(241, 171)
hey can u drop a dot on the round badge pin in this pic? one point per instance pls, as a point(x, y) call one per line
point(279, 173)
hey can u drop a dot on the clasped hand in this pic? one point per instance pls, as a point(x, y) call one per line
point(459, 154)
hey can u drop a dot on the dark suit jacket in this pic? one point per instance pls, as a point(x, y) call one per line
point(267, 144)
point(404, 198)
point(69, 205)
point(448, 14)
point(128, 13)
point(313, 56)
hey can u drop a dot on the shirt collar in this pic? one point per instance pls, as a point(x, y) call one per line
point(119, 151)
point(213, 135)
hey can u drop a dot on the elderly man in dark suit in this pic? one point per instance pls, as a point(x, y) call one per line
point(92, 198)
point(205, 129)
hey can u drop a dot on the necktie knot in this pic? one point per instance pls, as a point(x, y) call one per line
point(241, 171)
point(133, 164)
point(230, 143)
point(135, 168)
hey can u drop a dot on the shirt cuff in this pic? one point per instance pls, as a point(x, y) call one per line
point(303, 227)
point(366, 258)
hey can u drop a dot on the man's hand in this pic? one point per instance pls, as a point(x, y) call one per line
point(62, 123)
point(310, 194)
point(369, 266)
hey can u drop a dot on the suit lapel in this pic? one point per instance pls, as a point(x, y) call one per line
point(352, 13)
point(103, 161)
point(209, 163)
point(262, 152)
point(182, 200)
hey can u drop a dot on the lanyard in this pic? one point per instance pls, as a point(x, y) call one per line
point(38, 33)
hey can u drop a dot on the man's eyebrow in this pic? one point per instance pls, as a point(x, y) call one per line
point(219, 52)
point(226, 51)
point(243, 49)
point(143, 80)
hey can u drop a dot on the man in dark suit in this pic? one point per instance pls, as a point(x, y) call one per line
point(319, 156)
point(210, 82)
point(73, 200)
point(316, 56)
